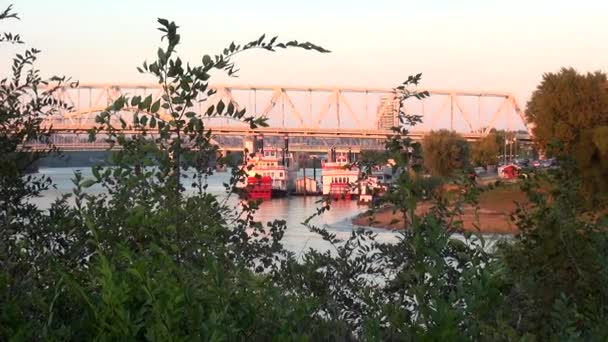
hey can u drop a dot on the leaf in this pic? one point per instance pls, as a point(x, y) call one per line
point(88, 183)
point(163, 22)
point(135, 100)
point(261, 39)
point(161, 55)
point(210, 110)
point(155, 107)
point(207, 60)
point(119, 103)
point(145, 104)
point(220, 107)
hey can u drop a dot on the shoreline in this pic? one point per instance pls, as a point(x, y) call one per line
point(490, 221)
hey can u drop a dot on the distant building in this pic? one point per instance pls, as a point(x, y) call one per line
point(388, 112)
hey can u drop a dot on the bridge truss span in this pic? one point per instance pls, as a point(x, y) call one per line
point(312, 112)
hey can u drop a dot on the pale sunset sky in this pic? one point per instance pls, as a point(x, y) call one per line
point(465, 45)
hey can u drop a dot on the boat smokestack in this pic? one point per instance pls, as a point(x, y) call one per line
point(249, 147)
point(286, 150)
point(261, 142)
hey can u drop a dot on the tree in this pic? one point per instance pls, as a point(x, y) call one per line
point(28, 235)
point(444, 152)
point(569, 111)
point(485, 151)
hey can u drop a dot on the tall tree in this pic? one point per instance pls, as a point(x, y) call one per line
point(570, 114)
point(444, 152)
point(485, 151)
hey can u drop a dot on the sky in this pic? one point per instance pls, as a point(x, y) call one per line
point(466, 45)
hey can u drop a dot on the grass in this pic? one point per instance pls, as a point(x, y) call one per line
point(502, 199)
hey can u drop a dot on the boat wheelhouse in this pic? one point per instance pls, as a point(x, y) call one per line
point(270, 172)
point(340, 176)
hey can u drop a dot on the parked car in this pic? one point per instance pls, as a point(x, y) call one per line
point(523, 162)
point(551, 162)
point(479, 171)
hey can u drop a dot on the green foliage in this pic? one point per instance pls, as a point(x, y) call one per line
point(568, 110)
point(485, 151)
point(422, 287)
point(445, 152)
point(140, 260)
point(553, 270)
point(27, 235)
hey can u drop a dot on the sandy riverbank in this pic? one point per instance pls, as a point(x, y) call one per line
point(490, 222)
point(496, 207)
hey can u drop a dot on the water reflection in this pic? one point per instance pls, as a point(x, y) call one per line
point(294, 210)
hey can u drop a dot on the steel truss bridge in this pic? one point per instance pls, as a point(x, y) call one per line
point(314, 118)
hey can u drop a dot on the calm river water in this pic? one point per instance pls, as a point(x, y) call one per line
point(294, 210)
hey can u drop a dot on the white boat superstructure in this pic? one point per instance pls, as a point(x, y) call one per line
point(339, 176)
point(270, 172)
point(276, 164)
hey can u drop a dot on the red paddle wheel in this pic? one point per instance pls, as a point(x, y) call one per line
point(259, 187)
point(339, 191)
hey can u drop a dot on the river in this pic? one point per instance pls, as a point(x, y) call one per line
point(294, 210)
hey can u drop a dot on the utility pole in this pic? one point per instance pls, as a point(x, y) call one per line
point(304, 171)
point(451, 112)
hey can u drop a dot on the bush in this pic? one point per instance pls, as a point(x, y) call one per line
point(445, 152)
